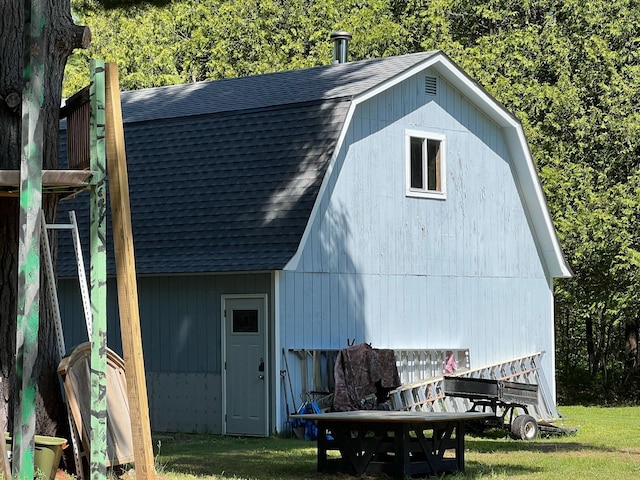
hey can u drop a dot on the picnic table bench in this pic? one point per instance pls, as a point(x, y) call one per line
point(397, 444)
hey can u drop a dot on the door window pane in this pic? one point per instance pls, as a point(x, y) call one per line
point(245, 321)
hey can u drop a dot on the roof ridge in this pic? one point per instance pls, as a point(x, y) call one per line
point(270, 89)
point(279, 72)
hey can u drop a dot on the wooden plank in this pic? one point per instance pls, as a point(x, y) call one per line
point(50, 178)
point(98, 245)
point(126, 279)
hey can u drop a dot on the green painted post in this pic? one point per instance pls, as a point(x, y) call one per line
point(29, 243)
point(98, 201)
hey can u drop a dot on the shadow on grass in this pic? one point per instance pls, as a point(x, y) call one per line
point(232, 457)
point(287, 459)
point(475, 469)
point(488, 445)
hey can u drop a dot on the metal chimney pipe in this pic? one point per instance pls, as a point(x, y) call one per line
point(340, 46)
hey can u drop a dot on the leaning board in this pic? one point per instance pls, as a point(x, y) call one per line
point(76, 374)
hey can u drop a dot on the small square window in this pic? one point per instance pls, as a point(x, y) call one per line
point(425, 164)
point(245, 321)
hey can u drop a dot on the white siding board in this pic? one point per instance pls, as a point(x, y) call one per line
point(434, 331)
point(341, 319)
point(291, 297)
point(358, 313)
point(336, 337)
point(457, 322)
point(317, 254)
point(379, 324)
point(440, 318)
point(317, 328)
point(392, 106)
point(344, 320)
point(299, 300)
point(368, 321)
point(284, 330)
point(454, 106)
point(306, 319)
point(382, 308)
point(408, 302)
point(394, 311)
point(349, 305)
point(324, 235)
point(325, 328)
point(285, 327)
point(336, 322)
point(306, 261)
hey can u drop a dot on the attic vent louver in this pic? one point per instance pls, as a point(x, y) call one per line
point(430, 85)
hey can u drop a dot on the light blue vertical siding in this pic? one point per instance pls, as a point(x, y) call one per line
point(180, 319)
point(402, 272)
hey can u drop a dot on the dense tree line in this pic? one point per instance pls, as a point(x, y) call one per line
point(569, 69)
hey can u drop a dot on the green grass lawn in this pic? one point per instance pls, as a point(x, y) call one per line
point(606, 446)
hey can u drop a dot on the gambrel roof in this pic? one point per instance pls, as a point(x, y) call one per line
point(224, 175)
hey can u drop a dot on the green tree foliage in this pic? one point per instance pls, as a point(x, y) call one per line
point(194, 40)
point(569, 69)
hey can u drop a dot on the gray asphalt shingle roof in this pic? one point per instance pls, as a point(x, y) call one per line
point(223, 175)
point(261, 91)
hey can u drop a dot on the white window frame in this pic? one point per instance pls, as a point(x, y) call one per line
point(425, 192)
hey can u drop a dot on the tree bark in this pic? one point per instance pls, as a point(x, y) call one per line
point(632, 335)
point(590, 344)
point(63, 36)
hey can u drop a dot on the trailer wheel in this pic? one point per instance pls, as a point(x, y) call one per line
point(524, 427)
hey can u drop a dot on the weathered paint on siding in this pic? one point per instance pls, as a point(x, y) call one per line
point(181, 328)
point(170, 392)
point(404, 272)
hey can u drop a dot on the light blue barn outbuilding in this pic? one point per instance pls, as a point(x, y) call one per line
point(388, 201)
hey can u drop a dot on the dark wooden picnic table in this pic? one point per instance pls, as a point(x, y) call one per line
point(397, 444)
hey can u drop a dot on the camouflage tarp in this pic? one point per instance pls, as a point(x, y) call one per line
point(363, 378)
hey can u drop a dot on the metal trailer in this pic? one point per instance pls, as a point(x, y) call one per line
point(503, 399)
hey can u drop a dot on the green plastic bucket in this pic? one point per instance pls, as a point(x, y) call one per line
point(48, 451)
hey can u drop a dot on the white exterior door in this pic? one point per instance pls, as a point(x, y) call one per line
point(245, 367)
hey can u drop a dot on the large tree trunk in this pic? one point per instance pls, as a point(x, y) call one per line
point(63, 36)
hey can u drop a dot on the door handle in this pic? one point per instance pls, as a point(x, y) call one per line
point(261, 369)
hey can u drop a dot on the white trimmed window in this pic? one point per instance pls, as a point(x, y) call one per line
point(425, 160)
